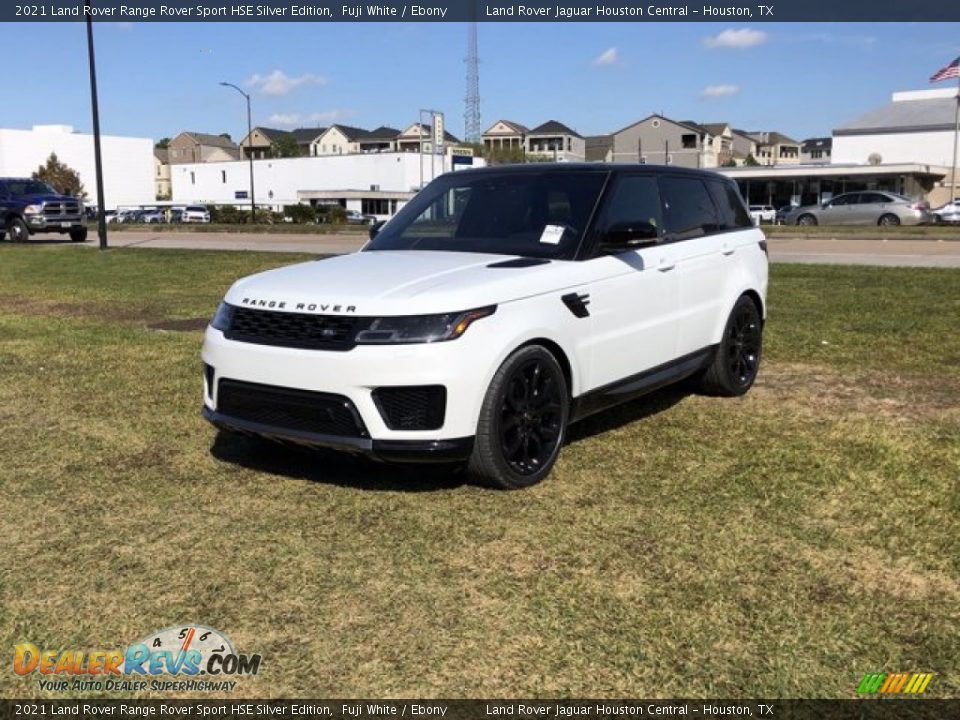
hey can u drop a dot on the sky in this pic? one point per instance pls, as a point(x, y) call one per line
point(157, 79)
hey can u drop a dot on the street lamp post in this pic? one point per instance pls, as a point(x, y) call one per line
point(97, 158)
point(253, 204)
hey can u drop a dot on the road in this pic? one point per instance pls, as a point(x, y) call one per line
point(919, 252)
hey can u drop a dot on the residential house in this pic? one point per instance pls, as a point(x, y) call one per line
point(194, 147)
point(720, 142)
point(409, 140)
point(744, 146)
point(380, 140)
point(774, 148)
point(598, 148)
point(505, 134)
point(556, 141)
point(161, 173)
point(658, 140)
point(816, 151)
point(259, 143)
point(305, 138)
point(338, 140)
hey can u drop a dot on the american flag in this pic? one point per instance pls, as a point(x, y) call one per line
point(950, 71)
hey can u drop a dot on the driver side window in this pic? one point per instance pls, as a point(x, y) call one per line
point(633, 211)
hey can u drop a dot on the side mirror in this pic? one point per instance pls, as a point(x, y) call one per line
point(629, 236)
point(376, 228)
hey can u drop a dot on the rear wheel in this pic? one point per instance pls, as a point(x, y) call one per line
point(806, 220)
point(888, 220)
point(522, 422)
point(78, 234)
point(17, 230)
point(738, 357)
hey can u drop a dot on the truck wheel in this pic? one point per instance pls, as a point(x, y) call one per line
point(78, 234)
point(522, 423)
point(18, 230)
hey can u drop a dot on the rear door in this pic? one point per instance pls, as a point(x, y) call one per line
point(635, 309)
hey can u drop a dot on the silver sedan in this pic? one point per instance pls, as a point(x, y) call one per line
point(871, 207)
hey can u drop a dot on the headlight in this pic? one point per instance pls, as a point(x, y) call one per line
point(33, 209)
point(223, 317)
point(421, 328)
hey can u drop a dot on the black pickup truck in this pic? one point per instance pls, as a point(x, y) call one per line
point(28, 207)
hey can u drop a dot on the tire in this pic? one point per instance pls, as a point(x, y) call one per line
point(17, 230)
point(807, 219)
point(888, 220)
point(735, 366)
point(78, 234)
point(523, 421)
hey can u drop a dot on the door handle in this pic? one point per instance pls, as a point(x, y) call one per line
point(665, 266)
point(727, 250)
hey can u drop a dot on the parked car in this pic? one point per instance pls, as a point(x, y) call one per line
point(195, 214)
point(782, 213)
point(497, 307)
point(29, 207)
point(176, 215)
point(125, 216)
point(763, 214)
point(949, 213)
point(355, 218)
point(863, 208)
point(156, 215)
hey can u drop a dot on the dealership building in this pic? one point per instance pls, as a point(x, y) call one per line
point(371, 183)
point(128, 162)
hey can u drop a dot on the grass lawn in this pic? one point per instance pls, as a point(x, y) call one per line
point(783, 544)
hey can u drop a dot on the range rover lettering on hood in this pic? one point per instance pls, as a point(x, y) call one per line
point(302, 307)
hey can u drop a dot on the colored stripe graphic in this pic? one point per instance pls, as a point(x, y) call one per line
point(894, 683)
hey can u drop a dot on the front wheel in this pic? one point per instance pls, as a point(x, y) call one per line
point(78, 234)
point(17, 230)
point(806, 220)
point(522, 422)
point(738, 357)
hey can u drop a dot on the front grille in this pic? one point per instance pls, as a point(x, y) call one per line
point(61, 209)
point(289, 409)
point(296, 330)
point(412, 408)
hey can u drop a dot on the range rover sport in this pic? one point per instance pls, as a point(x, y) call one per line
point(496, 308)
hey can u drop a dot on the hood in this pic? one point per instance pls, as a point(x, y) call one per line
point(401, 282)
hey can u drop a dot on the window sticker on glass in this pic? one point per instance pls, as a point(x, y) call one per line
point(552, 234)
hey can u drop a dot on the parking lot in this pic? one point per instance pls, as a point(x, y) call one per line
point(841, 248)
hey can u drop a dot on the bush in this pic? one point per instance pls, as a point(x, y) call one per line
point(300, 213)
point(331, 214)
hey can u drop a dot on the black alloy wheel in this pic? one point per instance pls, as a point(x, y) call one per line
point(531, 416)
point(743, 344)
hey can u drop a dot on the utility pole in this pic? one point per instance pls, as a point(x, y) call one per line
point(97, 157)
point(956, 133)
point(253, 202)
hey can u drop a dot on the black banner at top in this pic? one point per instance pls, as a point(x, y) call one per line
point(485, 11)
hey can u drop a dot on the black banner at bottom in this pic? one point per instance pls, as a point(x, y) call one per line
point(859, 709)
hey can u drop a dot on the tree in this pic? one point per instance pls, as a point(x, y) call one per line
point(730, 162)
point(162, 143)
point(505, 156)
point(285, 146)
point(62, 178)
point(226, 135)
point(751, 161)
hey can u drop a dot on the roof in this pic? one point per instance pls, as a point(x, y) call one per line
point(384, 132)
point(515, 126)
point(552, 127)
point(162, 154)
point(597, 147)
point(272, 133)
point(610, 168)
point(821, 143)
point(715, 129)
point(904, 116)
point(351, 133)
point(694, 126)
point(207, 139)
point(427, 133)
point(305, 136)
point(771, 138)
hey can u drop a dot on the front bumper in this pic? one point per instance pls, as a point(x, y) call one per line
point(42, 223)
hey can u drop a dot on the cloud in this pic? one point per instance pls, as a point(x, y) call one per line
point(717, 91)
point(279, 83)
point(299, 119)
point(607, 57)
point(742, 38)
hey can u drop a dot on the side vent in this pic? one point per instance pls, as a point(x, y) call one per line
point(577, 303)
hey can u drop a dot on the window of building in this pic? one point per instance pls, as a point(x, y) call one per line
point(193, 178)
point(689, 142)
point(223, 176)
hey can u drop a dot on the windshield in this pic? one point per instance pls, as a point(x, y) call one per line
point(532, 214)
point(29, 187)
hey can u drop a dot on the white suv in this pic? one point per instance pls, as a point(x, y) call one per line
point(195, 214)
point(496, 308)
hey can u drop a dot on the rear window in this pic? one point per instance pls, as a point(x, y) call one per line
point(690, 211)
point(730, 205)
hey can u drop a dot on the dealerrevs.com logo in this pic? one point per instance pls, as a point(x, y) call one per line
point(196, 656)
